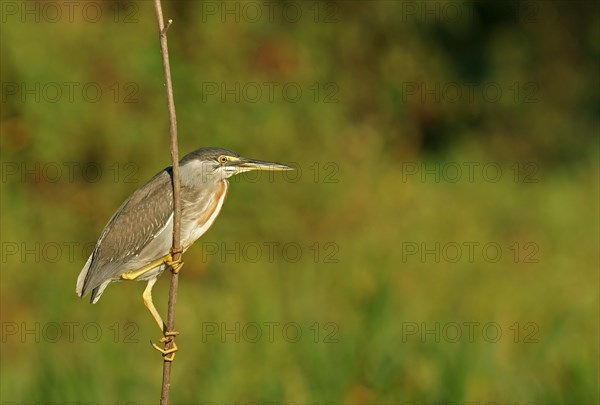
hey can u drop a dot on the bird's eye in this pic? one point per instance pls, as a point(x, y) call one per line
point(222, 159)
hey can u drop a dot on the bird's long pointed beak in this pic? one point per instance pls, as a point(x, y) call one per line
point(251, 164)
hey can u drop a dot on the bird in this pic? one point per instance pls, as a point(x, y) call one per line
point(136, 242)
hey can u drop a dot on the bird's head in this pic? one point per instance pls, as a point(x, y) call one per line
point(221, 164)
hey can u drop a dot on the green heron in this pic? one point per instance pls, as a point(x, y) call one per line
point(136, 242)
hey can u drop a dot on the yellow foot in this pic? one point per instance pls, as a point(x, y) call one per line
point(168, 336)
point(175, 265)
point(168, 354)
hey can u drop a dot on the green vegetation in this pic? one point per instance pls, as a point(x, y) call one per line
point(439, 243)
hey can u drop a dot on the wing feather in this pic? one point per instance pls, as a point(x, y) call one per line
point(135, 224)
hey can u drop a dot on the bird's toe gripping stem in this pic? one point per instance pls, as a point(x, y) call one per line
point(175, 265)
point(168, 354)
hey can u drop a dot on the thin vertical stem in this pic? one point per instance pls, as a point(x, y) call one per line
point(166, 379)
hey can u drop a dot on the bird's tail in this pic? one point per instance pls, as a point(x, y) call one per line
point(82, 277)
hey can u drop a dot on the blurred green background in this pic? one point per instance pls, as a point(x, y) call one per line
point(438, 243)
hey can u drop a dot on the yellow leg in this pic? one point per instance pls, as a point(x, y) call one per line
point(147, 296)
point(175, 265)
point(168, 354)
point(132, 275)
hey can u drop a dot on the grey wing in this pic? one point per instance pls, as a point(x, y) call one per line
point(145, 214)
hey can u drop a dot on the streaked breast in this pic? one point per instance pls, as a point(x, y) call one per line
point(200, 210)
